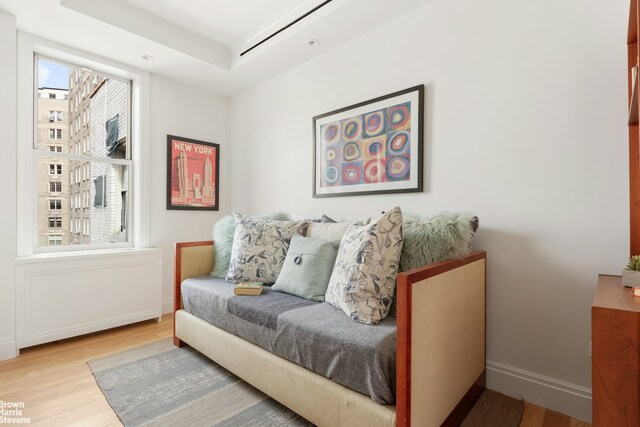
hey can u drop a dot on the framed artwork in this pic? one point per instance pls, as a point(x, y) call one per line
point(192, 174)
point(372, 147)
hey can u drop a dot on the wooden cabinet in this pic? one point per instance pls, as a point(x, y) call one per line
point(615, 363)
point(634, 134)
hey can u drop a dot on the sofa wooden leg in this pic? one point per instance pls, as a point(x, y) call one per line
point(178, 342)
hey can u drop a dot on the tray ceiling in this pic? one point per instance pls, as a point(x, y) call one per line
point(199, 41)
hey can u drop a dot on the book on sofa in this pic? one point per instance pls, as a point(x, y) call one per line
point(248, 288)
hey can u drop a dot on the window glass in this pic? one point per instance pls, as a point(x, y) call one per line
point(87, 114)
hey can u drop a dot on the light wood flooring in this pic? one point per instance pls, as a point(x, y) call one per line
point(57, 387)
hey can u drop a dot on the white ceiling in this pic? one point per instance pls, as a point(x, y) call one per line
point(199, 41)
point(227, 22)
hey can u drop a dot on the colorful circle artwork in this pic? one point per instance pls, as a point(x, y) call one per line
point(375, 171)
point(331, 175)
point(399, 116)
point(398, 143)
point(398, 168)
point(331, 154)
point(352, 173)
point(331, 132)
point(352, 129)
point(351, 151)
point(375, 149)
point(374, 123)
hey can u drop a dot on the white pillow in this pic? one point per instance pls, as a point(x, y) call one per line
point(364, 275)
point(331, 230)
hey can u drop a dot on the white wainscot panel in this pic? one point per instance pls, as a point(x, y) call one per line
point(61, 296)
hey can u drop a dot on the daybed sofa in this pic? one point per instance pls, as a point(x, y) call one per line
point(439, 356)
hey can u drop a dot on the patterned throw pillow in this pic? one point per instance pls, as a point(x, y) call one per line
point(364, 275)
point(223, 232)
point(259, 248)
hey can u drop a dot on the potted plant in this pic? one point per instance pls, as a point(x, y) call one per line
point(631, 274)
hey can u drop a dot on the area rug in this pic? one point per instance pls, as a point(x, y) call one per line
point(160, 385)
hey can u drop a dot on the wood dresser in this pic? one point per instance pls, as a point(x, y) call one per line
point(615, 363)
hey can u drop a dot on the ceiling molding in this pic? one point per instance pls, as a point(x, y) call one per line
point(129, 18)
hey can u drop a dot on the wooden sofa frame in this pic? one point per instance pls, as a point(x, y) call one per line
point(440, 355)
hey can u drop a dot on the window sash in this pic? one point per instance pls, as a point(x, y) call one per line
point(81, 157)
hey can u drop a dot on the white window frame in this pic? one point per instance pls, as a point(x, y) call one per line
point(55, 169)
point(55, 238)
point(54, 208)
point(54, 185)
point(55, 116)
point(57, 222)
point(56, 132)
point(139, 172)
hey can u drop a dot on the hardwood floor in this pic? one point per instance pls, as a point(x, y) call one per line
point(535, 416)
point(57, 387)
point(56, 384)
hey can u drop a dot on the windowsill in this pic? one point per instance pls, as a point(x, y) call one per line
point(79, 254)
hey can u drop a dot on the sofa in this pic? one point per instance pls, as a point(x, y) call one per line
point(439, 354)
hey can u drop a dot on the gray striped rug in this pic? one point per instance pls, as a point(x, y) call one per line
point(161, 385)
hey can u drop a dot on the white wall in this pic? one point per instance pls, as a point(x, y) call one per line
point(525, 127)
point(177, 109)
point(8, 177)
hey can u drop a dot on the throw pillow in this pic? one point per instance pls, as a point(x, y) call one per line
point(327, 219)
point(364, 276)
point(259, 248)
point(307, 267)
point(331, 230)
point(440, 237)
point(223, 232)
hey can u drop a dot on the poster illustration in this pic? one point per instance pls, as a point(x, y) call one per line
point(192, 174)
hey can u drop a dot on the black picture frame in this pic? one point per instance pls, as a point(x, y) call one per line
point(183, 154)
point(346, 164)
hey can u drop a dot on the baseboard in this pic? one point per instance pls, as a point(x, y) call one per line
point(550, 393)
point(8, 349)
point(167, 305)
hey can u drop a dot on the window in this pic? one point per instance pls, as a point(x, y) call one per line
point(55, 133)
point(96, 157)
point(52, 96)
point(100, 200)
point(55, 240)
point(55, 116)
point(55, 187)
point(55, 169)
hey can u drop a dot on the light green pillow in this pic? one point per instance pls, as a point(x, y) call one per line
point(307, 268)
point(428, 240)
point(223, 232)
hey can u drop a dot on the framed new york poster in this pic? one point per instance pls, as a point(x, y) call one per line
point(192, 174)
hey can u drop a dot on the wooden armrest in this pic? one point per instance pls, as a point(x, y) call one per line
point(192, 259)
point(440, 340)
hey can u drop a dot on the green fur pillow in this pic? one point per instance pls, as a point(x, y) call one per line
point(437, 238)
point(223, 232)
